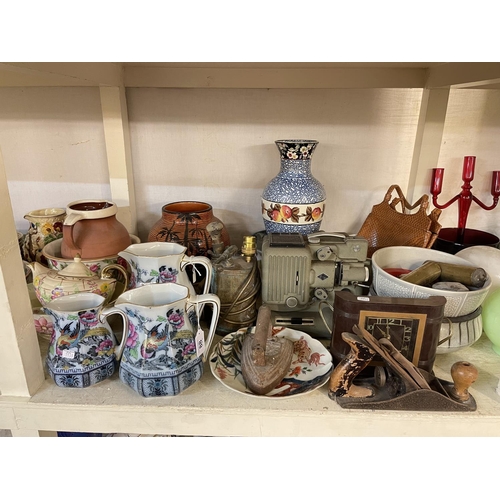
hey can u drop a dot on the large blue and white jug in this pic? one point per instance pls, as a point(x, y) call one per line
point(165, 345)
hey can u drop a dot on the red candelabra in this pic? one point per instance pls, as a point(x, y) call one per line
point(465, 197)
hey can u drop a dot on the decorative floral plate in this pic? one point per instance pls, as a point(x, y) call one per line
point(310, 368)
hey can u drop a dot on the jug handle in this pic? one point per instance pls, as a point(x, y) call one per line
point(107, 311)
point(69, 223)
point(107, 275)
point(208, 298)
point(205, 262)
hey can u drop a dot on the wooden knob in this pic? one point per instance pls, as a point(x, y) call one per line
point(464, 374)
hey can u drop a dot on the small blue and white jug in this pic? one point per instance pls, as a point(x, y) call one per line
point(83, 350)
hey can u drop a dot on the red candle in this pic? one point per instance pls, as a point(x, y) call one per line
point(468, 171)
point(437, 180)
point(495, 183)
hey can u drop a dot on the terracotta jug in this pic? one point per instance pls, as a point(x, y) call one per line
point(92, 230)
point(185, 222)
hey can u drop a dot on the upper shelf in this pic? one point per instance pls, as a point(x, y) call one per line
point(325, 75)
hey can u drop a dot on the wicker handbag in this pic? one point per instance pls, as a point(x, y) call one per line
point(385, 226)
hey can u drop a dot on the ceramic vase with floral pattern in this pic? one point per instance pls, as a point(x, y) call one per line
point(294, 200)
point(45, 226)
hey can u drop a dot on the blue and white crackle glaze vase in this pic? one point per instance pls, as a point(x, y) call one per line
point(294, 201)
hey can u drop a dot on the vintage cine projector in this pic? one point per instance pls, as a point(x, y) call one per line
point(300, 274)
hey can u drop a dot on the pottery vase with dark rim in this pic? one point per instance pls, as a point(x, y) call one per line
point(185, 222)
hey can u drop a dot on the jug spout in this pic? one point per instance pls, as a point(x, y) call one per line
point(37, 269)
point(127, 256)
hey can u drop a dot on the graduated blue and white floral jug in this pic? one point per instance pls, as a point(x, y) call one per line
point(83, 350)
point(163, 262)
point(165, 345)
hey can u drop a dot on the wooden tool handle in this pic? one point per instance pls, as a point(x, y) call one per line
point(357, 359)
point(464, 374)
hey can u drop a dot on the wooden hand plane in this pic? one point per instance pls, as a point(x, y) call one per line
point(398, 384)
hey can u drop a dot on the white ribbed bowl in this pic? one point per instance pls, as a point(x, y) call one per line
point(386, 285)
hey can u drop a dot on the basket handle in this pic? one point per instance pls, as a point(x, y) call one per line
point(423, 201)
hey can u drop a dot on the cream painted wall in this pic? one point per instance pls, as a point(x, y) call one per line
point(217, 146)
point(52, 140)
point(472, 128)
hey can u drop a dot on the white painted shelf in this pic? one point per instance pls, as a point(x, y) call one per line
point(253, 75)
point(208, 408)
point(29, 402)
